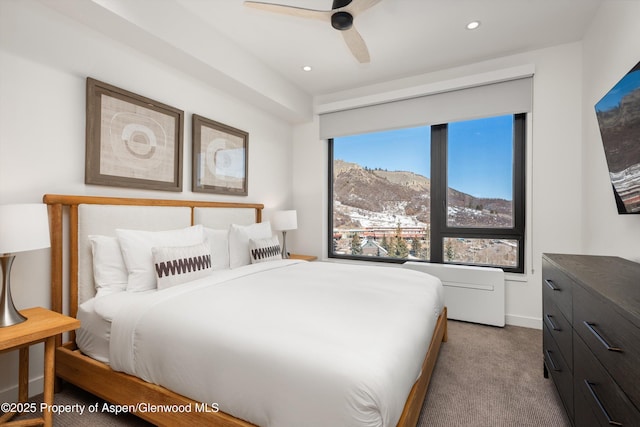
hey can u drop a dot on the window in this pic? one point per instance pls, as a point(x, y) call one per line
point(448, 193)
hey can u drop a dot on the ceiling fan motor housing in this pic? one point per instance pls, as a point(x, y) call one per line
point(342, 21)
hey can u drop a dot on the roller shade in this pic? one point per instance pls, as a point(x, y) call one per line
point(508, 97)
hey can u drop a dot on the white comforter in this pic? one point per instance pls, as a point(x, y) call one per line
point(285, 343)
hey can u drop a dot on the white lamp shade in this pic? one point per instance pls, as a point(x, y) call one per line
point(23, 227)
point(284, 220)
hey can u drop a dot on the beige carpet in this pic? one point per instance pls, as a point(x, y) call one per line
point(485, 377)
point(488, 376)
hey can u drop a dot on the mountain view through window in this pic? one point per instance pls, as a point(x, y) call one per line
point(386, 205)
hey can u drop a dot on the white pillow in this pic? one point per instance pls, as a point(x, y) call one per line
point(180, 264)
point(262, 250)
point(109, 270)
point(239, 236)
point(219, 243)
point(136, 248)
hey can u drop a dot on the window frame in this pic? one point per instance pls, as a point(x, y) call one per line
point(439, 229)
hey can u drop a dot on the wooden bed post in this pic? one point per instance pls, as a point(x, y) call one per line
point(55, 226)
point(73, 261)
point(56, 235)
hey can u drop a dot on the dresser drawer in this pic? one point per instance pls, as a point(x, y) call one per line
point(559, 327)
point(613, 340)
point(560, 372)
point(598, 399)
point(556, 286)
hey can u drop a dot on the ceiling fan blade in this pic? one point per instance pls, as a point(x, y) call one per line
point(359, 6)
point(323, 15)
point(356, 44)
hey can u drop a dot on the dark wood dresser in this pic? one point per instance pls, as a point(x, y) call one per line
point(591, 336)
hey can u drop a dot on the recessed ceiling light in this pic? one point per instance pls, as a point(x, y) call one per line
point(306, 68)
point(473, 25)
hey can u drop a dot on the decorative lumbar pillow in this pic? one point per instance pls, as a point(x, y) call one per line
point(261, 250)
point(136, 248)
point(239, 236)
point(176, 265)
point(219, 244)
point(109, 270)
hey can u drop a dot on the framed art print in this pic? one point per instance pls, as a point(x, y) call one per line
point(132, 141)
point(220, 154)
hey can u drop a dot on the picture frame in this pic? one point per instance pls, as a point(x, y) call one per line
point(132, 141)
point(220, 158)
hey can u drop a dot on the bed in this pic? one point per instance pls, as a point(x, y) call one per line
point(275, 343)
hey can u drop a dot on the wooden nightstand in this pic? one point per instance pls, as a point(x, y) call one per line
point(41, 325)
point(304, 257)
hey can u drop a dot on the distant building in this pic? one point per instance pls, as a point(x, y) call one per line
point(371, 248)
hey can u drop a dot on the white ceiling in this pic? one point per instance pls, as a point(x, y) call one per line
point(404, 37)
point(259, 55)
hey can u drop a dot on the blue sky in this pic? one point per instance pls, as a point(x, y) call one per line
point(629, 83)
point(480, 154)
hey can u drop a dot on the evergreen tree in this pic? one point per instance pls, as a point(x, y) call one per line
point(385, 243)
point(392, 248)
point(402, 249)
point(356, 244)
point(416, 247)
point(399, 248)
point(427, 240)
point(449, 252)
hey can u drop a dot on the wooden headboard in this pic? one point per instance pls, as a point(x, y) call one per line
point(66, 232)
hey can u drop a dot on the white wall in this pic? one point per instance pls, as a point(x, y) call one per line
point(611, 49)
point(44, 61)
point(554, 167)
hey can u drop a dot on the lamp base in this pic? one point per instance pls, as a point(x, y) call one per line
point(285, 254)
point(9, 316)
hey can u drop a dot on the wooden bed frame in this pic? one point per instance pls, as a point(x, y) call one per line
point(122, 389)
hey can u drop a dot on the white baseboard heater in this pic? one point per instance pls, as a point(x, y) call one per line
point(472, 294)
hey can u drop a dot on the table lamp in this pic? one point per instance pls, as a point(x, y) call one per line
point(23, 227)
point(284, 221)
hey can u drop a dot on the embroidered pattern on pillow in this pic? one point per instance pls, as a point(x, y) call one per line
point(177, 265)
point(261, 250)
point(182, 265)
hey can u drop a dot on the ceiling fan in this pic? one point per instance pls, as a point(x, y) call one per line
point(341, 17)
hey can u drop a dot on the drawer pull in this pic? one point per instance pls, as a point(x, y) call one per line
point(551, 322)
point(553, 364)
point(552, 285)
point(592, 329)
point(600, 405)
